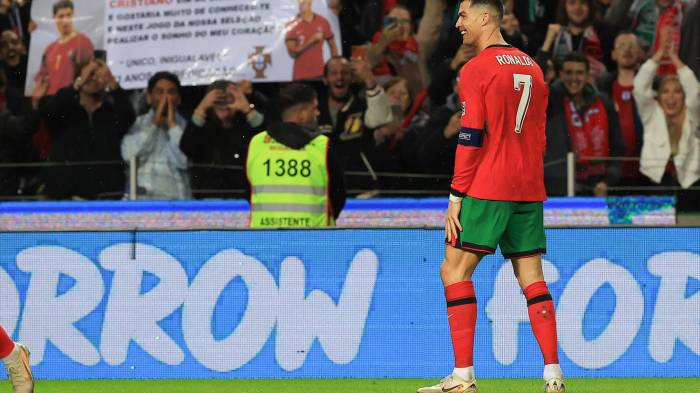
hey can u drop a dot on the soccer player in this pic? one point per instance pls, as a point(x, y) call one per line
point(304, 40)
point(64, 57)
point(497, 190)
point(15, 356)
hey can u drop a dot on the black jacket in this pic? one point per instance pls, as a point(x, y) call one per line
point(437, 154)
point(15, 136)
point(605, 84)
point(559, 144)
point(76, 136)
point(296, 137)
point(214, 145)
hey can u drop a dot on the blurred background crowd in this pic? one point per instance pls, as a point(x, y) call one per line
point(623, 78)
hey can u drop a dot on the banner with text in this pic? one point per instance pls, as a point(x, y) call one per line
point(199, 40)
point(340, 303)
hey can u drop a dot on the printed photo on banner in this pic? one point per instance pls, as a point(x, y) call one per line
point(67, 34)
point(307, 33)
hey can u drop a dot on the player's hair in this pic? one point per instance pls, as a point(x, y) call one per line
point(326, 67)
point(575, 57)
point(563, 17)
point(163, 75)
point(292, 95)
point(496, 5)
point(61, 4)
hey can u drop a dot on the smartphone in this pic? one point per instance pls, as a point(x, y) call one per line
point(389, 21)
point(100, 54)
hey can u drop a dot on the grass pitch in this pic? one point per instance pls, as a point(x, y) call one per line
point(588, 385)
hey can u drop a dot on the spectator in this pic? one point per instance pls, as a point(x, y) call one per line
point(444, 75)
point(583, 121)
point(14, 59)
point(689, 51)
point(534, 17)
point(304, 39)
point(510, 29)
point(67, 54)
point(438, 147)
point(87, 122)
point(295, 180)
point(618, 86)
point(154, 140)
point(349, 118)
point(394, 50)
point(671, 122)
point(399, 140)
point(217, 137)
point(575, 31)
point(15, 16)
point(650, 19)
point(15, 133)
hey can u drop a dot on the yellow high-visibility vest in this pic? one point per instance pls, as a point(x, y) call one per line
point(289, 188)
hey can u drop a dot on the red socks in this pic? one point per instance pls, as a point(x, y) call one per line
point(540, 308)
point(461, 313)
point(6, 343)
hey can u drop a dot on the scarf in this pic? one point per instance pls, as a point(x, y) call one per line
point(670, 18)
point(588, 134)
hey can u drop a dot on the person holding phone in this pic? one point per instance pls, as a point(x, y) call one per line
point(217, 137)
point(305, 36)
point(63, 57)
point(394, 50)
point(154, 140)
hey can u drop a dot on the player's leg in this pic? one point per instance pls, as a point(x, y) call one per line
point(483, 223)
point(523, 243)
point(15, 356)
point(456, 272)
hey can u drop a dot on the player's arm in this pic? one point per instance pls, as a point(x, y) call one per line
point(471, 134)
point(469, 144)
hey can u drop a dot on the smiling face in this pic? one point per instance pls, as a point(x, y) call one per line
point(468, 24)
point(671, 96)
point(338, 78)
point(11, 48)
point(577, 11)
point(573, 75)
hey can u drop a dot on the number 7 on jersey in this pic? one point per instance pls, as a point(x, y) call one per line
point(522, 82)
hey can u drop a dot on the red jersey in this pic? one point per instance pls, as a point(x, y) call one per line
point(310, 63)
point(61, 59)
point(501, 144)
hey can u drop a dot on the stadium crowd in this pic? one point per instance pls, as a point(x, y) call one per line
point(623, 78)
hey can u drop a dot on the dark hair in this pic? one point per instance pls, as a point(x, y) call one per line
point(496, 5)
point(292, 95)
point(563, 17)
point(158, 76)
point(326, 66)
point(575, 57)
point(61, 4)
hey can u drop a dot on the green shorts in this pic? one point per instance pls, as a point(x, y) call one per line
point(517, 227)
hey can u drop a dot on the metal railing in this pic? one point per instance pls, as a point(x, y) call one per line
point(363, 184)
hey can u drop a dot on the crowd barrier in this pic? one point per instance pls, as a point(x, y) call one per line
point(340, 303)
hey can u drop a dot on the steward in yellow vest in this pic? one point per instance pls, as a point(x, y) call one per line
point(293, 175)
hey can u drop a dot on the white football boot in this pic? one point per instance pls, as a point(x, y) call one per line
point(451, 384)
